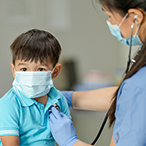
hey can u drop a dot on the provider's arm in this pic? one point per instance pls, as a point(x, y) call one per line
point(99, 100)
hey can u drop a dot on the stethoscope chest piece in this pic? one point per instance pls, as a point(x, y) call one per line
point(56, 106)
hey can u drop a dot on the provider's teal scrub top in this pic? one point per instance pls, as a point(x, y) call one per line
point(130, 123)
point(28, 119)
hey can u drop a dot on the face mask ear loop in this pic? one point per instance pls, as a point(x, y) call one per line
point(14, 71)
point(123, 19)
point(53, 70)
point(137, 30)
point(129, 55)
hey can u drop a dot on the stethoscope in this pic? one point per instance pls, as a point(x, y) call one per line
point(130, 61)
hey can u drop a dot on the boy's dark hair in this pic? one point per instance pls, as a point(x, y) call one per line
point(36, 45)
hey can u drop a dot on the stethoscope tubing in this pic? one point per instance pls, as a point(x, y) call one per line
point(127, 69)
point(101, 129)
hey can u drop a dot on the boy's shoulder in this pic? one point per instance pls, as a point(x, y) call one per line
point(58, 97)
point(56, 93)
point(9, 98)
point(9, 107)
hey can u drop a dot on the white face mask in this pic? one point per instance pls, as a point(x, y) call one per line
point(33, 84)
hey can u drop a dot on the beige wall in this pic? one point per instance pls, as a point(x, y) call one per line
point(83, 35)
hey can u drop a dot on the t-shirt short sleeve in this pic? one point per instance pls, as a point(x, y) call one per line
point(64, 104)
point(9, 117)
point(130, 123)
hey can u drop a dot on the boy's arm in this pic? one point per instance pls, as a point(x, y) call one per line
point(9, 122)
point(10, 140)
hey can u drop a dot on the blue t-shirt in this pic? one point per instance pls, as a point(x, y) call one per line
point(130, 123)
point(29, 119)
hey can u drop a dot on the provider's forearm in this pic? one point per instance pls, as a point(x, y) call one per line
point(99, 100)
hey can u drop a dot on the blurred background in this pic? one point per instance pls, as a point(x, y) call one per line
point(91, 57)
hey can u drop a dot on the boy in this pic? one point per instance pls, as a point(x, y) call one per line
point(24, 109)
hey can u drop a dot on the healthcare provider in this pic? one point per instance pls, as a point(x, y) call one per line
point(127, 22)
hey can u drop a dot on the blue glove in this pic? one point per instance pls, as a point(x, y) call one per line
point(68, 96)
point(62, 128)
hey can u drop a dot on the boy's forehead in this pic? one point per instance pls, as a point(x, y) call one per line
point(24, 62)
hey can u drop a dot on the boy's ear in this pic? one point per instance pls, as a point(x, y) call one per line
point(12, 68)
point(56, 71)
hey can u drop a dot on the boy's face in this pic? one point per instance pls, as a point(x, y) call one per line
point(21, 65)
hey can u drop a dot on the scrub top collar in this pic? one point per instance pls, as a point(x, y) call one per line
point(53, 97)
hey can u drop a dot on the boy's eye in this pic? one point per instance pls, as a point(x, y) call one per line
point(41, 69)
point(24, 69)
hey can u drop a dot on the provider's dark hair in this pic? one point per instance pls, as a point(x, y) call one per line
point(122, 6)
point(36, 45)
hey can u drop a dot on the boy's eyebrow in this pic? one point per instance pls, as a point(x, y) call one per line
point(21, 63)
point(44, 64)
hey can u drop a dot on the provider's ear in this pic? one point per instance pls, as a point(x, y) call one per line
point(12, 68)
point(134, 12)
point(56, 71)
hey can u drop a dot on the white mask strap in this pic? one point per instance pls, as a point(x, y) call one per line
point(123, 19)
point(53, 70)
point(137, 30)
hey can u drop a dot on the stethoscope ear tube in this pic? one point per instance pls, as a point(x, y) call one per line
point(101, 129)
point(127, 69)
point(129, 55)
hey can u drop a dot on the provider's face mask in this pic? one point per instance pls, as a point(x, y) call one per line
point(115, 30)
point(33, 84)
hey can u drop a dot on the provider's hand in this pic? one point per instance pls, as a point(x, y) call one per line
point(62, 128)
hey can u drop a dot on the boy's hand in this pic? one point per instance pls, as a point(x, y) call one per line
point(10, 140)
